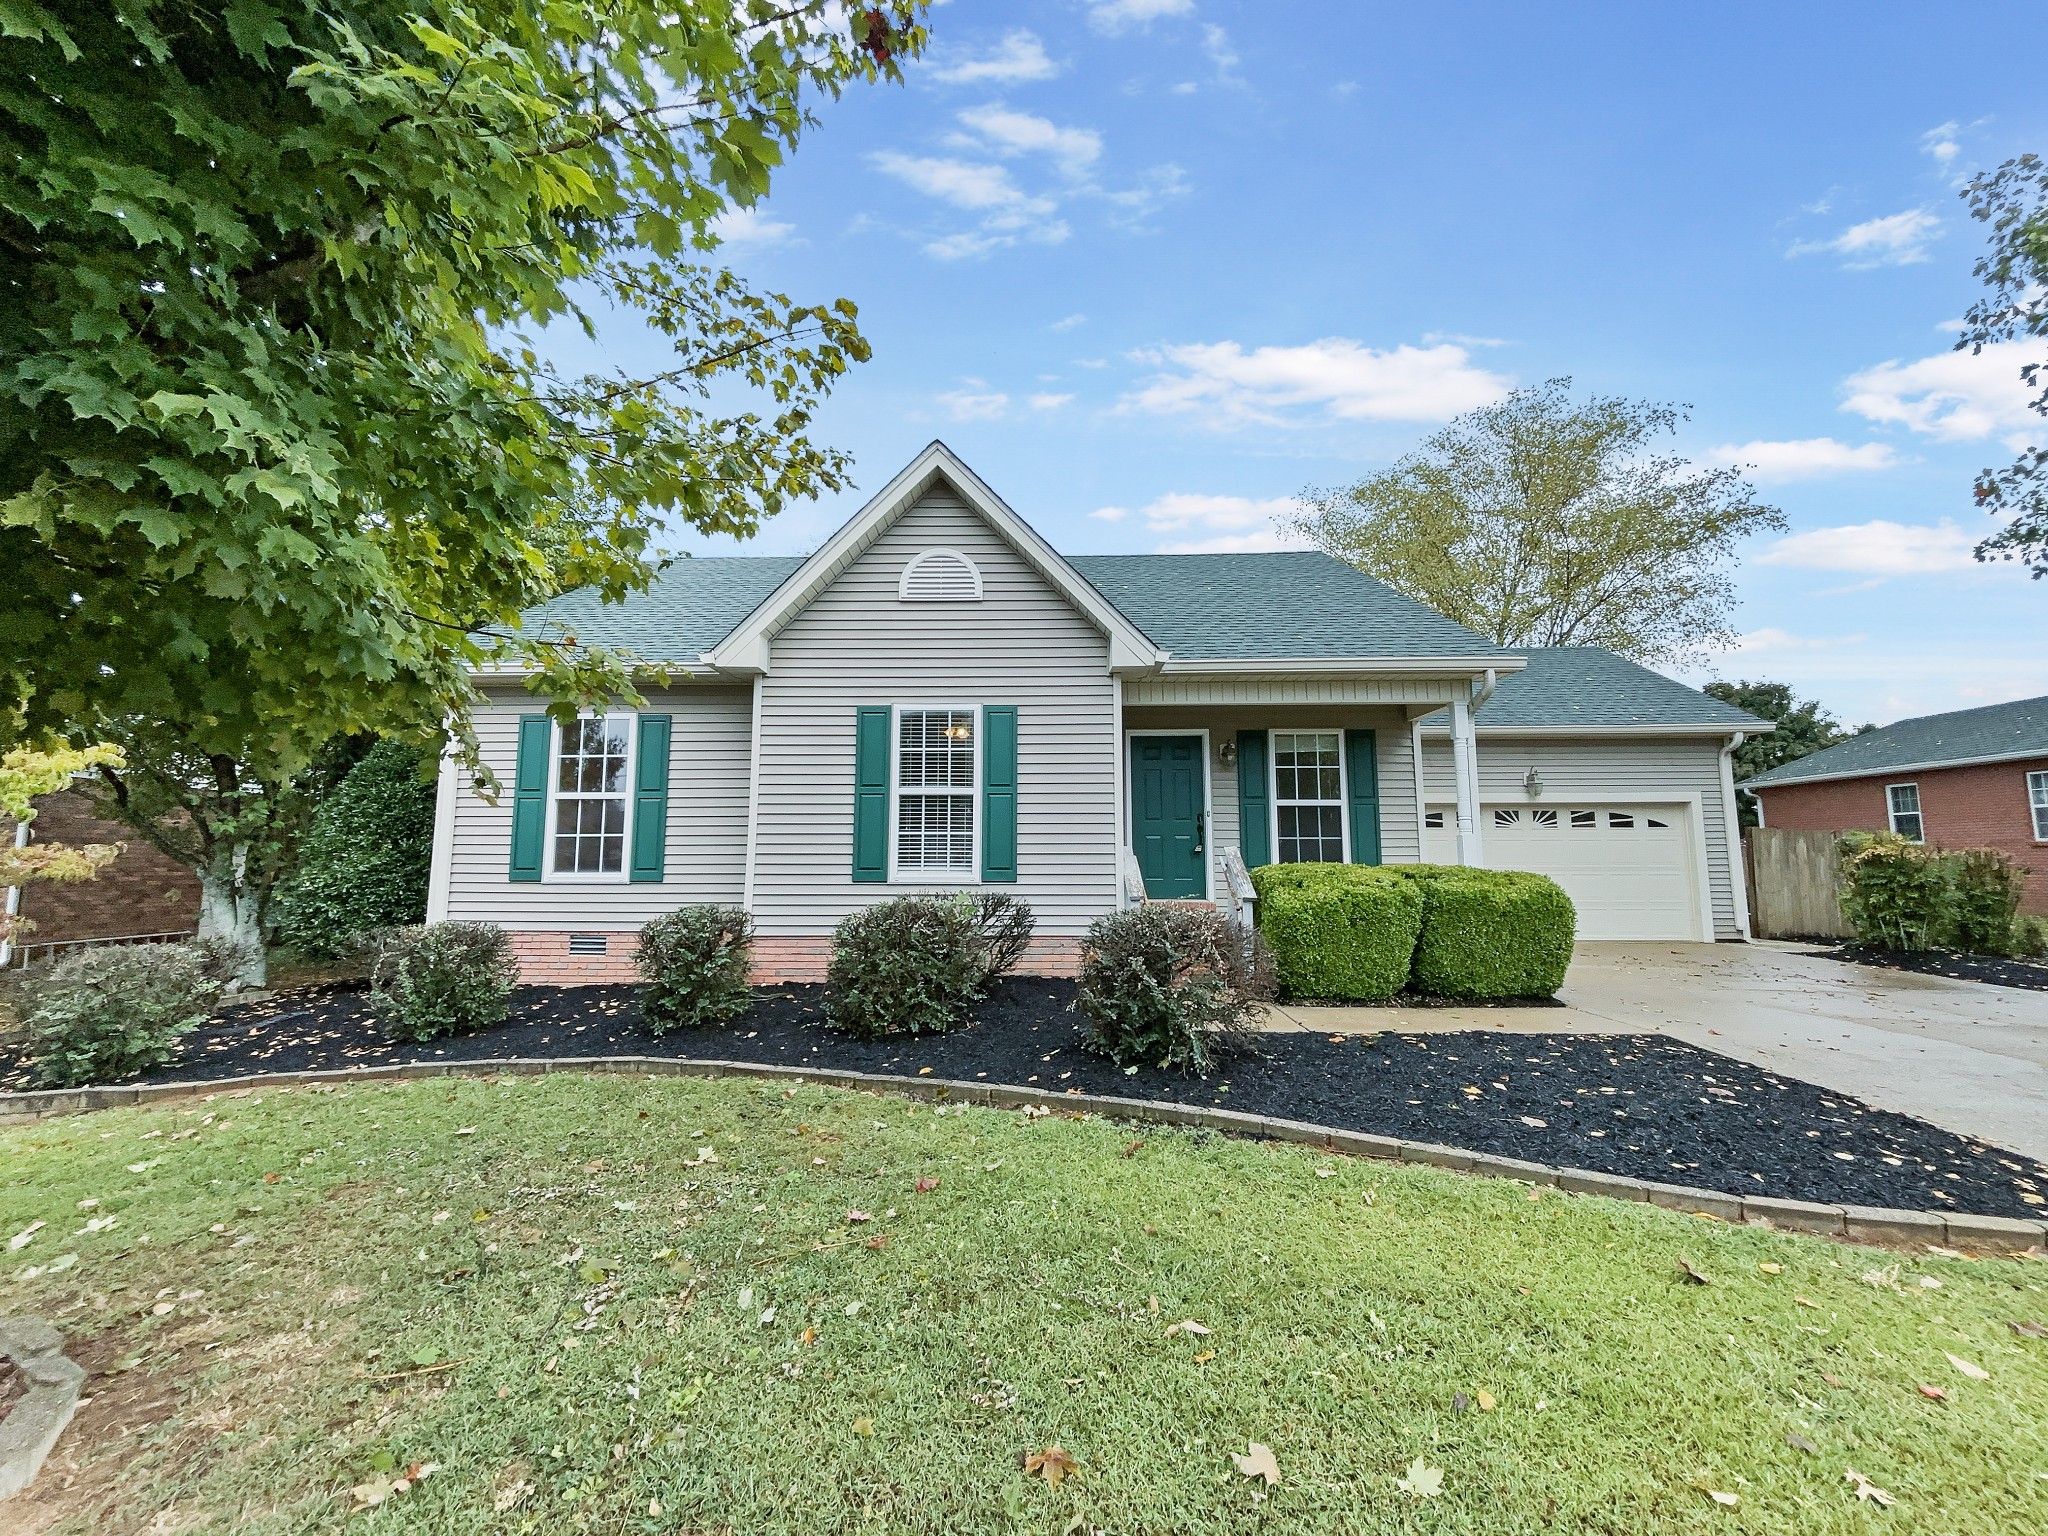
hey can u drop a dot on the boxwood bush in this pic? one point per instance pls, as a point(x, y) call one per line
point(1490, 933)
point(103, 1012)
point(918, 964)
point(442, 979)
point(363, 863)
point(696, 962)
point(1339, 931)
point(1170, 986)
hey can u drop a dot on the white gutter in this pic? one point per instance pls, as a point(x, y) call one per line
point(1885, 769)
point(1452, 667)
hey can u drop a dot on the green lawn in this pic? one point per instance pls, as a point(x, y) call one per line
point(547, 1288)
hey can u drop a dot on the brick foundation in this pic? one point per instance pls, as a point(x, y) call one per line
point(544, 958)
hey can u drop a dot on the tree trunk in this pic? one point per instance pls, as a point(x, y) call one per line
point(231, 913)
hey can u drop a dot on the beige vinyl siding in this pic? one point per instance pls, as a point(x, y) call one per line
point(1589, 770)
point(1400, 822)
point(857, 644)
point(707, 823)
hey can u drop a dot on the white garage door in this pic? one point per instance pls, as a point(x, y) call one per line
point(1628, 868)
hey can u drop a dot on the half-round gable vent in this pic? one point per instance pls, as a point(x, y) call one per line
point(940, 576)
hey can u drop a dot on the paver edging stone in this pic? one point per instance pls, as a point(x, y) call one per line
point(35, 1421)
point(1868, 1224)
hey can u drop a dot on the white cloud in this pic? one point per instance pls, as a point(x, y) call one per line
point(1216, 43)
point(1069, 322)
point(975, 403)
point(1009, 213)
point(1953, 396)
point(1115, 15)
point(750, 226)
point(1074, 150)
point(1049, 402)
point(1896, 240)
point(1019, 56)
point(1804, 458)
point(1227, 385)
point(1206, 524)
point(1877, 548)
point(1941, 143)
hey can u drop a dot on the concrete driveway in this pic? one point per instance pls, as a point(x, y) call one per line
point(1966, 1056)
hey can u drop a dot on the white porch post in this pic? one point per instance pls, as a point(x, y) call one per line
point(1465, 771)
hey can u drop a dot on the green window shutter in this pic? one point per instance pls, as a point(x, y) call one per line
point(999, 792)
point(1362, 763)
point(1254, 804)
point(530, 797)
point(871, 792)
point(650, 800)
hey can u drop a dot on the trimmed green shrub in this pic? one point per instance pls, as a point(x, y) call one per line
point(1988, 884)
point(363, 863)
point(442, 979)
point(1171, 986)
point(2030, 938)
point(1490, 933)
point(104, 1012)
point(918, 964)
point(1897, 894)
point(695, 961)
point(1339, 930)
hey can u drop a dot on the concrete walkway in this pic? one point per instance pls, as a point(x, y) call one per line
point(1966, 1056)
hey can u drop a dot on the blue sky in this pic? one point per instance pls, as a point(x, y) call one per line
point(1155, 266)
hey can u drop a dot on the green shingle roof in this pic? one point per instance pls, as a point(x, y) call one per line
point(2018, 729)
point(1583, 685)
point(1292, 604)
point(692, 606)
point(1199, 607)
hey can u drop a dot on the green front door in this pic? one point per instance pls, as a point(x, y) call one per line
point(1168, 826)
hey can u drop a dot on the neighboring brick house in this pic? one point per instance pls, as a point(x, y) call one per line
point(141, 892)
point(1975, 778)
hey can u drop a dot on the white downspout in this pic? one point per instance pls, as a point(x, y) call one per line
point(753, 796)
point(1465, 768)
point(1731, 807)
point(13, 896)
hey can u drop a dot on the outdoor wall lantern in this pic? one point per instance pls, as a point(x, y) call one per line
point(1227, 754)
point(1532, 781)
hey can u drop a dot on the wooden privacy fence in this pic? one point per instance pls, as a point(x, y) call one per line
point(1793, 884)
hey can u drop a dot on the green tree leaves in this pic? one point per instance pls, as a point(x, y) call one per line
point(2013, 200)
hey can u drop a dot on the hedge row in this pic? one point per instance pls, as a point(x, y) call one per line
point(1363, 932)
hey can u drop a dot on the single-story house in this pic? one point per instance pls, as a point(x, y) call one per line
point(1971, 778)
point(936, 699)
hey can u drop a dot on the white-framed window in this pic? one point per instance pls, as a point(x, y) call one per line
point(937, 784)
point(1903, 801)
point(590, 787)
point(1308, 797)
point(2037, 802)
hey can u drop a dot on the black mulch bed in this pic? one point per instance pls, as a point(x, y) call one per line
point(1641, 1106)
point(2031, 975)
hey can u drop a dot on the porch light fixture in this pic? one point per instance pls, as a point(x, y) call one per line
point(1227, 754)
point(1532, 781)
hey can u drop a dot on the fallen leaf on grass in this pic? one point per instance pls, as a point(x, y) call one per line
point(1052, 1464)
point(467, 1130)
point(1188, 1326)
point(21, 1239)
point(1423, 1481)
point(378, 1489)
point(1830, 1380)
point(1772, 1269)
point(926, 1186)
point(505, 1498)
point(1257, 1461)
point(1802, 1301)
point(1205, 1357)
point(863, 1426)
point(1485, 1401)
point(1725, 1500)
point(1974, 1372)
point(1131, 1150)
point(1691, 1275)
point(1866, 1489)
point(1934, 1393)
point(1801, 1443)
point(856, 1216)
point(2029, 1330)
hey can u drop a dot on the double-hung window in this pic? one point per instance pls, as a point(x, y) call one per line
point(2037, 802)
point(592, 781)
point(936, 753)
point(1903, 800)
point(1308, 796)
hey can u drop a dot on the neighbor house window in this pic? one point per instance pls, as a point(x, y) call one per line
point(2037, 800)
point(590, 795)
point(1308, 796)
point(935, 758)
point(1905, 809)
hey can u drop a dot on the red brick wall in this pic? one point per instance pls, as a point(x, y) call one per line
point(1978, 807)
point(545, 958)
point(140, 892)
